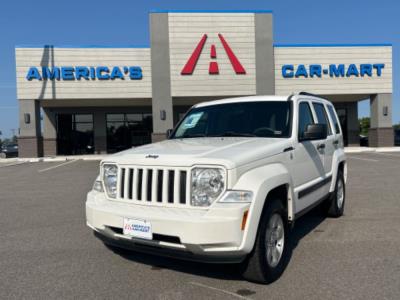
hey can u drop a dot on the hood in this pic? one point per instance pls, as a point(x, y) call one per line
point(230, 152)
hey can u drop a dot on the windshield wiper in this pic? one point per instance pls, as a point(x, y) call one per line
point(191, 136)
point(233, 133)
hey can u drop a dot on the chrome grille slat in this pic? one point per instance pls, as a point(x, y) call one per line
point(165, 186)
point(176, 186)
point(126, 183)
point(162, 186)
point(154, 186)
point(144, 184)
point(134, 183)
point(188, 184)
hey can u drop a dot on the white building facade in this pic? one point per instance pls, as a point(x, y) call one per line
point(103, 99)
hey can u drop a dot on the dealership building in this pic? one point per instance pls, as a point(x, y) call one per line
point(102, 99)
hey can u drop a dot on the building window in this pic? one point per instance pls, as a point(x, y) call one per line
point(75, 134)
point(125, 131)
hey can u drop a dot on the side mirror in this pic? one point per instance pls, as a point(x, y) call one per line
point(315, 132)
point(169, 133)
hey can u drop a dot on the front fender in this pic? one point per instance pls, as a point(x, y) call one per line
point(260, 181)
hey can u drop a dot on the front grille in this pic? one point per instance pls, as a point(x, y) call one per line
point(154, 186)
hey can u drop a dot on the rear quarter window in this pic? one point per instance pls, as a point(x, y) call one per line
point(335, 121)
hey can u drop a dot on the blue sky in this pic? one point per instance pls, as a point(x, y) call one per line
point(126, 22)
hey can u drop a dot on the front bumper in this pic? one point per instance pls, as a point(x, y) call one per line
point(212, 235)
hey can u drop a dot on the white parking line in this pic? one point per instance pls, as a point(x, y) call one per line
point(57, 166)
point(360, 158)
point(219, 290)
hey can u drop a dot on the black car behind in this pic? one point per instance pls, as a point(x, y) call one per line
point(10, 150)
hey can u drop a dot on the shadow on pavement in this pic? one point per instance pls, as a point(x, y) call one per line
point(303, 227)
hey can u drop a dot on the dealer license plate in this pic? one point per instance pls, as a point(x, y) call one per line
point(138, 228)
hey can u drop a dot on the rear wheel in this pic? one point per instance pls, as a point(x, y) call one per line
point(335, 204)
point(268, 259)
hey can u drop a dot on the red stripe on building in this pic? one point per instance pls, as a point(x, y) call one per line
point(213, 68)
point(237, 66)
point(192, 61)
point(213, 52)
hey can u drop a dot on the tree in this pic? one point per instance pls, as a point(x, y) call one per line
point(365, 124)
point(396, 126)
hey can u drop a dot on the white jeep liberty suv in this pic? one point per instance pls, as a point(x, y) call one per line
point(227, 184)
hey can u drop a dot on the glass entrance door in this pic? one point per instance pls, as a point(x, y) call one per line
point(75, 134)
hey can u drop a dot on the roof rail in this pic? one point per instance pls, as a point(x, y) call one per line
point(312, 95)
point(290, 97)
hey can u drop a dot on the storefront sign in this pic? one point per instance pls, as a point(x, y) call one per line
point(332, 70)
point(88, 73)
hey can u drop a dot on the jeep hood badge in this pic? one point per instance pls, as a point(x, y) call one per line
point(152, 156)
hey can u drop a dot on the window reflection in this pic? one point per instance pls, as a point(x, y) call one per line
point(128, 130)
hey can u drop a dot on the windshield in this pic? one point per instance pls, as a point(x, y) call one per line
point(249, 119)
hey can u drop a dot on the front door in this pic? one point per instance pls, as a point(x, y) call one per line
point(308, 161)
point(329, 144)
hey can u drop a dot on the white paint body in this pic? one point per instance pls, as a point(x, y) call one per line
point(253, 164)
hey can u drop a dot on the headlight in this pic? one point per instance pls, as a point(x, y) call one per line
point(110, 179)
point(207, 185)
point(237, 197)
point(97, 185)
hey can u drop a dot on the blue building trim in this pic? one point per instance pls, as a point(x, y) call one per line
point(257, 11)
point(331, 45)
point(85, 46)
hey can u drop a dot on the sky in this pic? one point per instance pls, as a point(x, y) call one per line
point(122, 22)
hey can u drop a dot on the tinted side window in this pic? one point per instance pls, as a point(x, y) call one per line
point(334, 119)
point(305, 118)
point(322, 116)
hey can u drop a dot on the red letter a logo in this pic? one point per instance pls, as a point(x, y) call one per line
point(213, 68)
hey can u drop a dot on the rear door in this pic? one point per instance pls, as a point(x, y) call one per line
point(328, 147)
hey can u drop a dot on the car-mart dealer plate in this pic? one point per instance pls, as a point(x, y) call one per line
point(138, 228)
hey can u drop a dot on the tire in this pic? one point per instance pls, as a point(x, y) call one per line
point(335, 204)
point(258, 267)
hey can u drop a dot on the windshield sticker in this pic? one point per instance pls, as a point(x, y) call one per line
point(192, 120)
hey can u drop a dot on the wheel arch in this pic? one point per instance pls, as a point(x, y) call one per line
point(266, 183)
point(339, 163)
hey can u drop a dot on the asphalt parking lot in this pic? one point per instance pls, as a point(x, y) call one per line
point(46, 250)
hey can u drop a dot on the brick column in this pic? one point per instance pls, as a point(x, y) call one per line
point(381, 131)
point(161, 77)
point(49, 133)
point(30, 142)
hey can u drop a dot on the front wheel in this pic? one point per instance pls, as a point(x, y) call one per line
point(268, 259)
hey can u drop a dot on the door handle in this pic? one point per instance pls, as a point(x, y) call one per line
point(336, 142)
point(321, 146)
